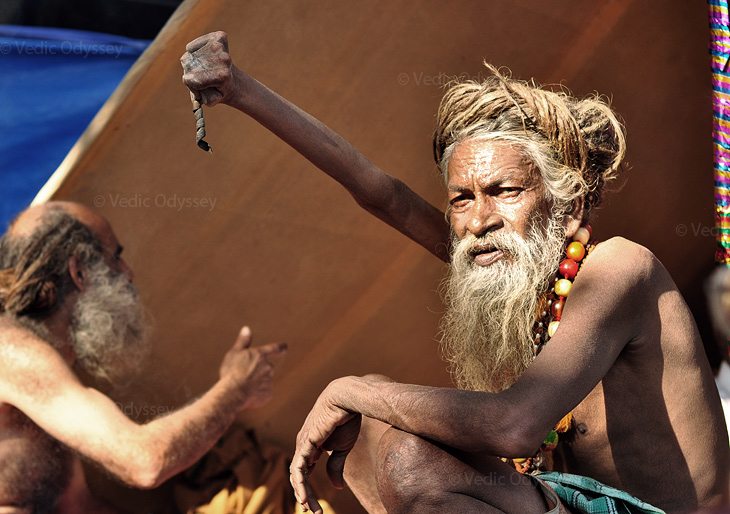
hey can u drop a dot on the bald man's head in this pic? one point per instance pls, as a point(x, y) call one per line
point(63, 258)
point(29, 220)
point(35, 254)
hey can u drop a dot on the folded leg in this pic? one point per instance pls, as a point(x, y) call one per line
point(417, 475)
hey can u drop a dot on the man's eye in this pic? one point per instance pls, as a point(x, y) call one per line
point(509, 192)
point(459, 202)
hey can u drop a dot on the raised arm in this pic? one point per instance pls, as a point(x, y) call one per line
point(37, 381)
point(574, 361)
point(212, 77)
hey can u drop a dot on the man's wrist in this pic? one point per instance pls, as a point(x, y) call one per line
point(350, 393)
point(242, 88)
point(231, 390)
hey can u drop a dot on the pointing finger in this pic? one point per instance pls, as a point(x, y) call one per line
point(273, 349)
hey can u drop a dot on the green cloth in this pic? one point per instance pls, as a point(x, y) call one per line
point(585, 495)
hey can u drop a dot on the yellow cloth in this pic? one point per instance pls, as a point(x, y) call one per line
point(239, 476)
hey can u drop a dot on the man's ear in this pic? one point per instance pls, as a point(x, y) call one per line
point(574, 219)
point(77, 274)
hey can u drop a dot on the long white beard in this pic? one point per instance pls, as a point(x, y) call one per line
point(487, 330)
point(109, 327)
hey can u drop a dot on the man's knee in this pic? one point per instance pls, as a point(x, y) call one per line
point(361, 462)
point(403, 466)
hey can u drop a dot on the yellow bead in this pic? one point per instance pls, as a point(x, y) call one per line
point(553, 327)
point(582, 235)
point(575, 251)
point(563, 286)
point(519, 461)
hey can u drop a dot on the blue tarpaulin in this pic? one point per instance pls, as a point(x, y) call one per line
point(52, 83)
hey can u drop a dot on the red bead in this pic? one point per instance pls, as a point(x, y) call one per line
point(556, 309)
point(575, 251)
point(590, 230)
point(568, 268)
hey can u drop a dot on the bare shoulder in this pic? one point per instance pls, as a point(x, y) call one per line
point(26, 361)
point(625, 261)
point(622, 272)
point(624, 253)
point(16, 340)
point(622, 278)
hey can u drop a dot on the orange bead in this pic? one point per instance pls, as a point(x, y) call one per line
point(563, 287)
point(575, 251)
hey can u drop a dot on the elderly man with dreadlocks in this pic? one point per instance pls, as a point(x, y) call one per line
point(582, 381)
point(68, 304)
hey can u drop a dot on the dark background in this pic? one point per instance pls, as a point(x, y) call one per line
point(140, 19)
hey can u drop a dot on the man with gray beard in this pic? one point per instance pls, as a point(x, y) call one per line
point(491, 309)
point(596, 372)
point(68, 305)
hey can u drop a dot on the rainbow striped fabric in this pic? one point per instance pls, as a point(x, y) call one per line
point(720, 52)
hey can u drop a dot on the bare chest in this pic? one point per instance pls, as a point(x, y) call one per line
point(628, 432)
point(35, 468)
point(586, 449)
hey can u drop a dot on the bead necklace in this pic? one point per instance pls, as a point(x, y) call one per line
point(549, 314)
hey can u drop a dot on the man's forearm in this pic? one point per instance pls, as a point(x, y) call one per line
point(185, 435)
point(36, 380)
point(382, 195)
point(315, 141)
point(465, 420)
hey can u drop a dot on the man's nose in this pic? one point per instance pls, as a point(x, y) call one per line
point(483, 217)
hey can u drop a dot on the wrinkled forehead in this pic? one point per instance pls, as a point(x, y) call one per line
point(489, 160)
